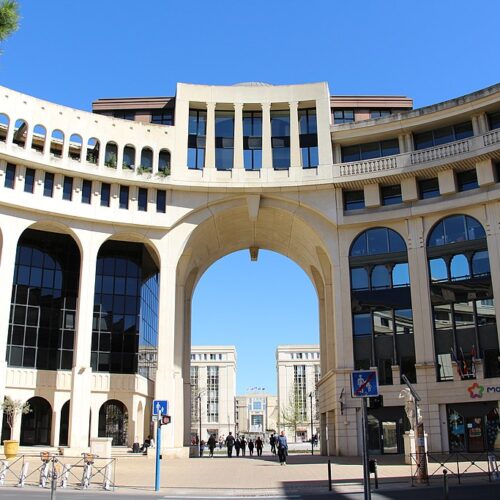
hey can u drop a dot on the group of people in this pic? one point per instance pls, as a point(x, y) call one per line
point(240, 445)
point(279, 444)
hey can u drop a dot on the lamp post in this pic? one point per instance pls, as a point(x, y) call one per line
point(312, 431)
point(199, 418)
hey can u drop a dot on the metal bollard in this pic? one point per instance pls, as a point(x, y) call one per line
point(44, 474)
point(445, 485)
point(329, 475)
point(4, 467)
point(53, 482)
point(24, 475)
point(106, 484)
point(65, 475)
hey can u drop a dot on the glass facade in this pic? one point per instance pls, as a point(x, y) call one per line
point(443, 135)
point(370, 150)
point(197, 130)
point(280, 139)
point(125, 323)
point(224, 140)
point(213, 393)
point(308, 138)
point(300, 391)
point(194, 379)
point(252, 140)
point(44, 297)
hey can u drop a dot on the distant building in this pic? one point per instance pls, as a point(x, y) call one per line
point(298, 368)
point(256, 413)
point(213, 390)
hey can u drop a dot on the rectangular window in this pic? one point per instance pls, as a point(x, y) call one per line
point(428, 188)
point(391, 195)
point(163, 117)
point(48, 185)
point(194, 393)
point(124, 115)
point(299, 391)
point(494, 120)
point(10, 176)
point(467, 180)
point(161, 201)
point(196, 139)
point(213, 393)
point(443, 135)
point(68, 188)
point(353, 200)
point(370, 150)
point(142, 200)
point(343, 116)
point(29, 180)
point(252, 140)
point(224, 140)
point(380, 113)
point(87, 192)
point(105, 194)
point(124, 196)
point(280, 139)
point(362, 324)
point(308, 138)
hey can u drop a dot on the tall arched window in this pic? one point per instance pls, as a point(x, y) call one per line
point(113, 422)
point(462, 299)
point(381, 304)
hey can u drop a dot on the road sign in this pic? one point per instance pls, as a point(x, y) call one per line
point(160, 407)
point(364, 383)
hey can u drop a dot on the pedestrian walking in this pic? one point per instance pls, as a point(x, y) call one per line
point(272, 442)
point(237, 446)
point(258, 445)
point(230, 443)
point(202, 447)
point(243, 443)
point(221, 442)
point(211, 445)
point(250, 447)
point(282, 448)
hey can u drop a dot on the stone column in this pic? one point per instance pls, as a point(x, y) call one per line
point(402, 143)
point(81, 383)
point(295, 159)
point(9, 239)
point(238, 161)
point(475, 125)
point(210, 136)
point(267, 152)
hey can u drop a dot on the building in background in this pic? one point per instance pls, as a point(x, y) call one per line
point(256, 413)
point(213, 390)
point(298, 368)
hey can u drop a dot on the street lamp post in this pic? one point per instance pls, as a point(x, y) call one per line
point(199, 418)
point(312, 431)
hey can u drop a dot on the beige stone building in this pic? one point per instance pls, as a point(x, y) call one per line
point(256, 414)
point(108, 222)
point(213, 391)
point(298, 368)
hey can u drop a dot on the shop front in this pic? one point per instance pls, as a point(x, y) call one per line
point(386, 427)
point(473, 427)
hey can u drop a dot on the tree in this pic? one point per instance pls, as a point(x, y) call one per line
point(9, 18)
point(295, 412)
point(11, 409)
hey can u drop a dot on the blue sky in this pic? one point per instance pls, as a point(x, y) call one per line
point(72, 52)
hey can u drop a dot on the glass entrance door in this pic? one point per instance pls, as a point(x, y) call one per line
point(475, 434)
point(389, 437)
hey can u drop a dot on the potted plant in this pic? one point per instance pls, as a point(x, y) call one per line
point(11, 409)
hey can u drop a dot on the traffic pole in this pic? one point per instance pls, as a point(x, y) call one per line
point(158, 449)
point(366, 471)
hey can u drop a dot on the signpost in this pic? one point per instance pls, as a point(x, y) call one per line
point(364, 384)
point(160, 407)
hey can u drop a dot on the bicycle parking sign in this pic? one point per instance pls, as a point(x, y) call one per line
point(364, 383)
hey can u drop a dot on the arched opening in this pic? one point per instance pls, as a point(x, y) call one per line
point(93, 151)
point(164, 162)
point(64, 424)
point(20, 132)
point(111, 155)
point(147, 159)
point(36, 425)
point(75, 147)
point(42, 322)
point(113, 422)
point(128, 157)
point(57, 143)
point(4, 127)
point(39, 138)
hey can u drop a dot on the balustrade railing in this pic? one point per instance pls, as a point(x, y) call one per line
point(439, 152)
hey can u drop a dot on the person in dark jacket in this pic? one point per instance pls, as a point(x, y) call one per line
point(272, 442)
point(230, 441)
point(282, 448)
point(243, 443)
point(237, 446)
point(250, 447)
point(211, 445)
point(259, 444)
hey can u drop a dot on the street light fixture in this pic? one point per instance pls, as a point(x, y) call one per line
point(312, 439)
point(199, 419)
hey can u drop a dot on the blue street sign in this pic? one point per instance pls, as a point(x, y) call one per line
point(364, 383)
point(160, 407)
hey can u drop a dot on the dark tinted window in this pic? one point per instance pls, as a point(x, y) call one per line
point(443, 135)
point(48, 185)
point(68, 188)
point(454, 229)
point(428, 188)
point(124, 194)
point(343, 116)
point(353, 200)
point(142, 200)
point(10, 176)
point(380, 113)
point(370, 150)
point(377, 241)
point(494, 120)
point(391, 195)
point(29, 180)
point(161, 201)
point(467, 180)
point(105, 194)
point(163, 117)
point(86, 191)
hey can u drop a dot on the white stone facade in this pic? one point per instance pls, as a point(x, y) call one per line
point(298, 368)
point(300, 212)
point(256, 414)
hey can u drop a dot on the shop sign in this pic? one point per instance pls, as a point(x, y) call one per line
point(476, 391)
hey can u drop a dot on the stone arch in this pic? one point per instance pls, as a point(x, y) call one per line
point(39, 138)
point(113, 422)
point(57, 143)
point(36, 425)
point(20, 132)
point(75, 147)
point(4, 126)
point(64, 424)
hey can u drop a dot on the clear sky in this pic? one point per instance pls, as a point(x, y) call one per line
point(74, 51)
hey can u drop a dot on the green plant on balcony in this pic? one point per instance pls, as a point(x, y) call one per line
point(111, 160)
point(144, 170)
